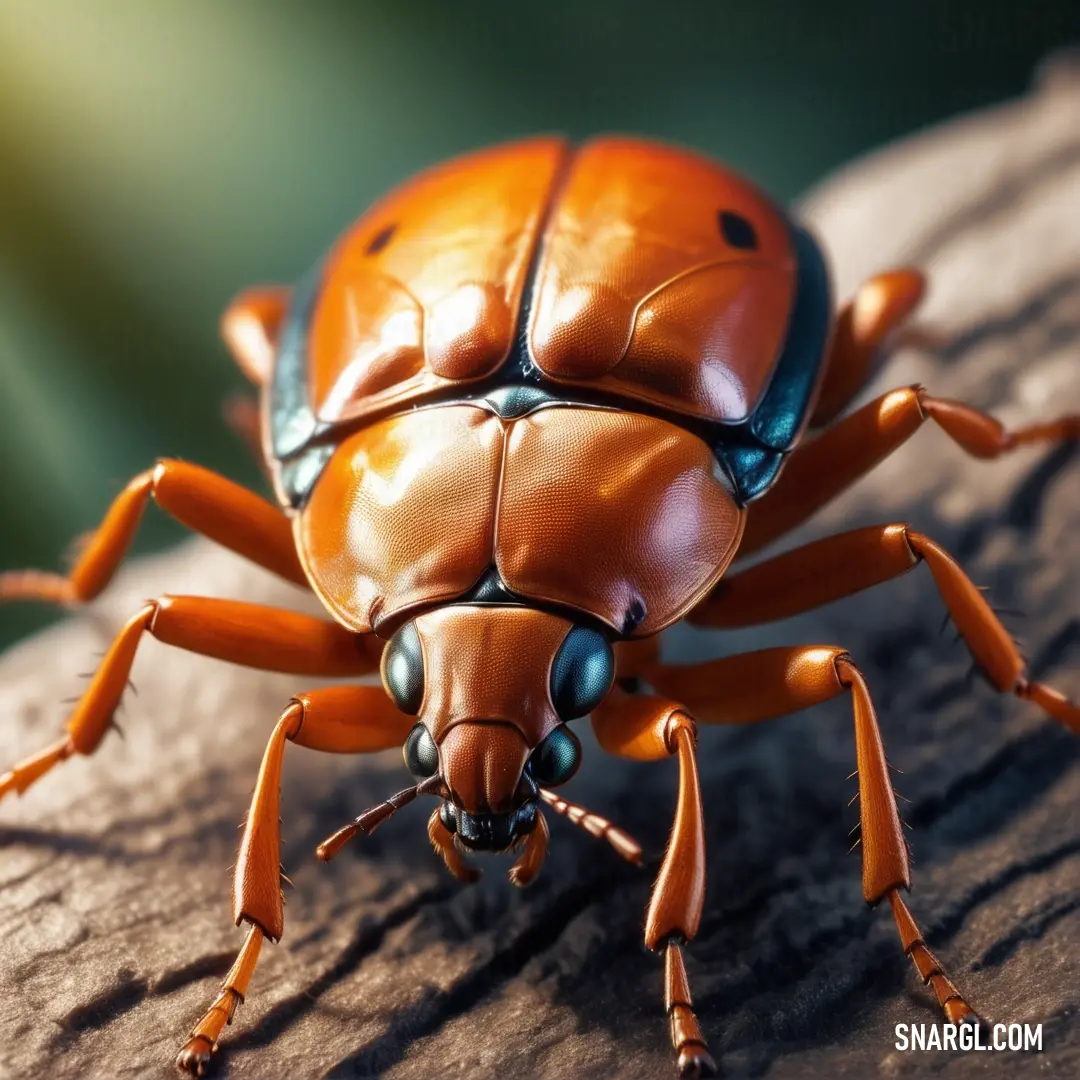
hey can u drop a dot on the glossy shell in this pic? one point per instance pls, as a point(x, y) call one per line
point(625, 517)
point(426, 288)
point(623, 272)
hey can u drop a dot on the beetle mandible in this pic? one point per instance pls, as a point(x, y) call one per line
point(523, 417)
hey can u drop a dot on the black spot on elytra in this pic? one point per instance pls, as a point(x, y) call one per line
point(737, 231)
point(634, 617)
point(380, 240)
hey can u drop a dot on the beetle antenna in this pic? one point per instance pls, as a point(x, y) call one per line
point(600, 827)
point(371, 819)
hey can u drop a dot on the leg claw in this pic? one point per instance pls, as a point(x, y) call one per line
point(695, 1063)
point(959, 1012)
point(196, 1055)
point(972, 1019)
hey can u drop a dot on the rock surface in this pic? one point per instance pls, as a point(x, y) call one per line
point(114, 892)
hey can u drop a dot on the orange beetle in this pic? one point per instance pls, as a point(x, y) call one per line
point(524, 417)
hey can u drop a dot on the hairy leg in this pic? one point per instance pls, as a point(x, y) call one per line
point(341, 719)
point(840, 565)
point(206, 503)
point(774, 682)
point(818, 470)
point(648, 728)
point(248, 634)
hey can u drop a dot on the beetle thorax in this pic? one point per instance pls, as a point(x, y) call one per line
point(619, 515)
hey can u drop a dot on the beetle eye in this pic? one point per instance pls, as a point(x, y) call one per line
point(420, 752)
point(582, 673)
point(403, 670)
point(557, 758)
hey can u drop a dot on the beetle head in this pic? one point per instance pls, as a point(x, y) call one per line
point(492, 687)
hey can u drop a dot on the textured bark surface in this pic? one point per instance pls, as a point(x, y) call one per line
point(114, 891)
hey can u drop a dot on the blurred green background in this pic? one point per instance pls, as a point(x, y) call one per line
point(158, 155)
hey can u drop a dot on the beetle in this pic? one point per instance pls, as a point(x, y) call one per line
point(524, 416)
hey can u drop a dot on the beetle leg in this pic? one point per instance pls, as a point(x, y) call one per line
point(838, 566)
point(864, 327)
point(206, 503)
point(774, 682)
point(196, 1053)
point(339, 719)
point(817, 471)
point(251, 325)
point(248, 634)
point(648, 728)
